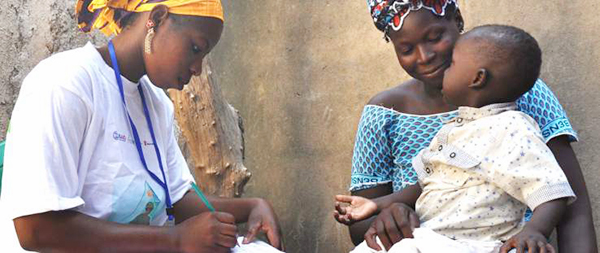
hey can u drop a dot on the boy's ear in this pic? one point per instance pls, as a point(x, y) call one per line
point(480, 79)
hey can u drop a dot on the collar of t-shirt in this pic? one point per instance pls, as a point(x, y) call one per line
point(467, 114)
point(129, 87)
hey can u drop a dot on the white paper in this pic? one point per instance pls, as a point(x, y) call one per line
point(255, 246)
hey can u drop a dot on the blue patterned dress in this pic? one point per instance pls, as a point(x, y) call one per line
point(387, 140)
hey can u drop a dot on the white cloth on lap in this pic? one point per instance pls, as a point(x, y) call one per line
point(255, 246)
point(426, 240)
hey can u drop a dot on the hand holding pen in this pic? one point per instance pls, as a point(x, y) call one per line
point(206, 232)
point(262, 218)
point(208, 204)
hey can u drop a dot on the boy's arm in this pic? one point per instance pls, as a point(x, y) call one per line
point(534, 235)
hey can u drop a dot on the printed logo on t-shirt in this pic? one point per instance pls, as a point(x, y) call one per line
point(122, 137)
point(556, 126)
point(146, 208)
point(141, 207)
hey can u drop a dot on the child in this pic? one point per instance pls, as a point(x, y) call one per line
point(485, 167)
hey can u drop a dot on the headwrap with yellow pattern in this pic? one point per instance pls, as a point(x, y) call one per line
point(106, 15)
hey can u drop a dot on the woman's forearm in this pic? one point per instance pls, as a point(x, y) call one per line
point(240, 208)
point(70, 231)
point(384, 198)
point(576, 231)
point(191, 205)
point(358, 229)
point(407, 196)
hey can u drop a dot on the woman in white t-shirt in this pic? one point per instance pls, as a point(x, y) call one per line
point(91, 157)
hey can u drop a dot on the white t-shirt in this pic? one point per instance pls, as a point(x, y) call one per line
point(70, 146)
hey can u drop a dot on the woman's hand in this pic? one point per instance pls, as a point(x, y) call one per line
point(391, 225)
point(358, 209)
point(528, 240)
point(207, 232)
point(263, 218)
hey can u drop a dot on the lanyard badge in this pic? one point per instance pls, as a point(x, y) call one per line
point(115, 65)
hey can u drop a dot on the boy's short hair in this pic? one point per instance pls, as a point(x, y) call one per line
point(513, 47)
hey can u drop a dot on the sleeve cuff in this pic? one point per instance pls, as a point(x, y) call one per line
point(372, 182)
point(573, 137)
point(59, 204)
point(181, 190)
point(558, 127)
point(549, 193)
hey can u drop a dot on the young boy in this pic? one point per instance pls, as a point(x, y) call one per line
point(485, 167)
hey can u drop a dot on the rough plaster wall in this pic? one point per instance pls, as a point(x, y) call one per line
point(31, 30)
point(300, 72)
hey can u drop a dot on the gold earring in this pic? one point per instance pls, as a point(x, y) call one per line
point(148, 40)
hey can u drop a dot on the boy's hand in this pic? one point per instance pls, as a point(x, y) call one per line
point(358, 208)
point(528, 240)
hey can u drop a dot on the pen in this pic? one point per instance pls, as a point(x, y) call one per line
point(202, 197)
point(206, 203)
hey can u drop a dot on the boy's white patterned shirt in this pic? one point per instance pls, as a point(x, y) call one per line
point(481, 172)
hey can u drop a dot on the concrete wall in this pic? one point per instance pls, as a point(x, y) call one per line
point(30, 31)
point(301, 71)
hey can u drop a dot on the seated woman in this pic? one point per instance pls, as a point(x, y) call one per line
point(485, 167)
point(399, 122)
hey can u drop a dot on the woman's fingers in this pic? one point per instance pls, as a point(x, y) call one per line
point(549, 248)
point(227, 241)
point(252, 232)
point(228, 229)
point(508, 245)
point(542, 247)
point(225, 217)
point(344, 198)
point(392, 231)
point(274, 238)
point(532, 246)
point(382, 233)
point(521, 246)
point(370, 239)
point(339, 208)
point(402, 224)
point(344, 219)
point(414, 221)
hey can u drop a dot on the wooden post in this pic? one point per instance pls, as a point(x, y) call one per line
point(211, 136)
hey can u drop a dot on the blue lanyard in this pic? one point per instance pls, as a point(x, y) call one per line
point(138, 145)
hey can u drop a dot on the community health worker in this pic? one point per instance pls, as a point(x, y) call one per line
point(92, 163)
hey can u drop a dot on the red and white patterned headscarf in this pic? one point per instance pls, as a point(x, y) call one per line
point(390, 14)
